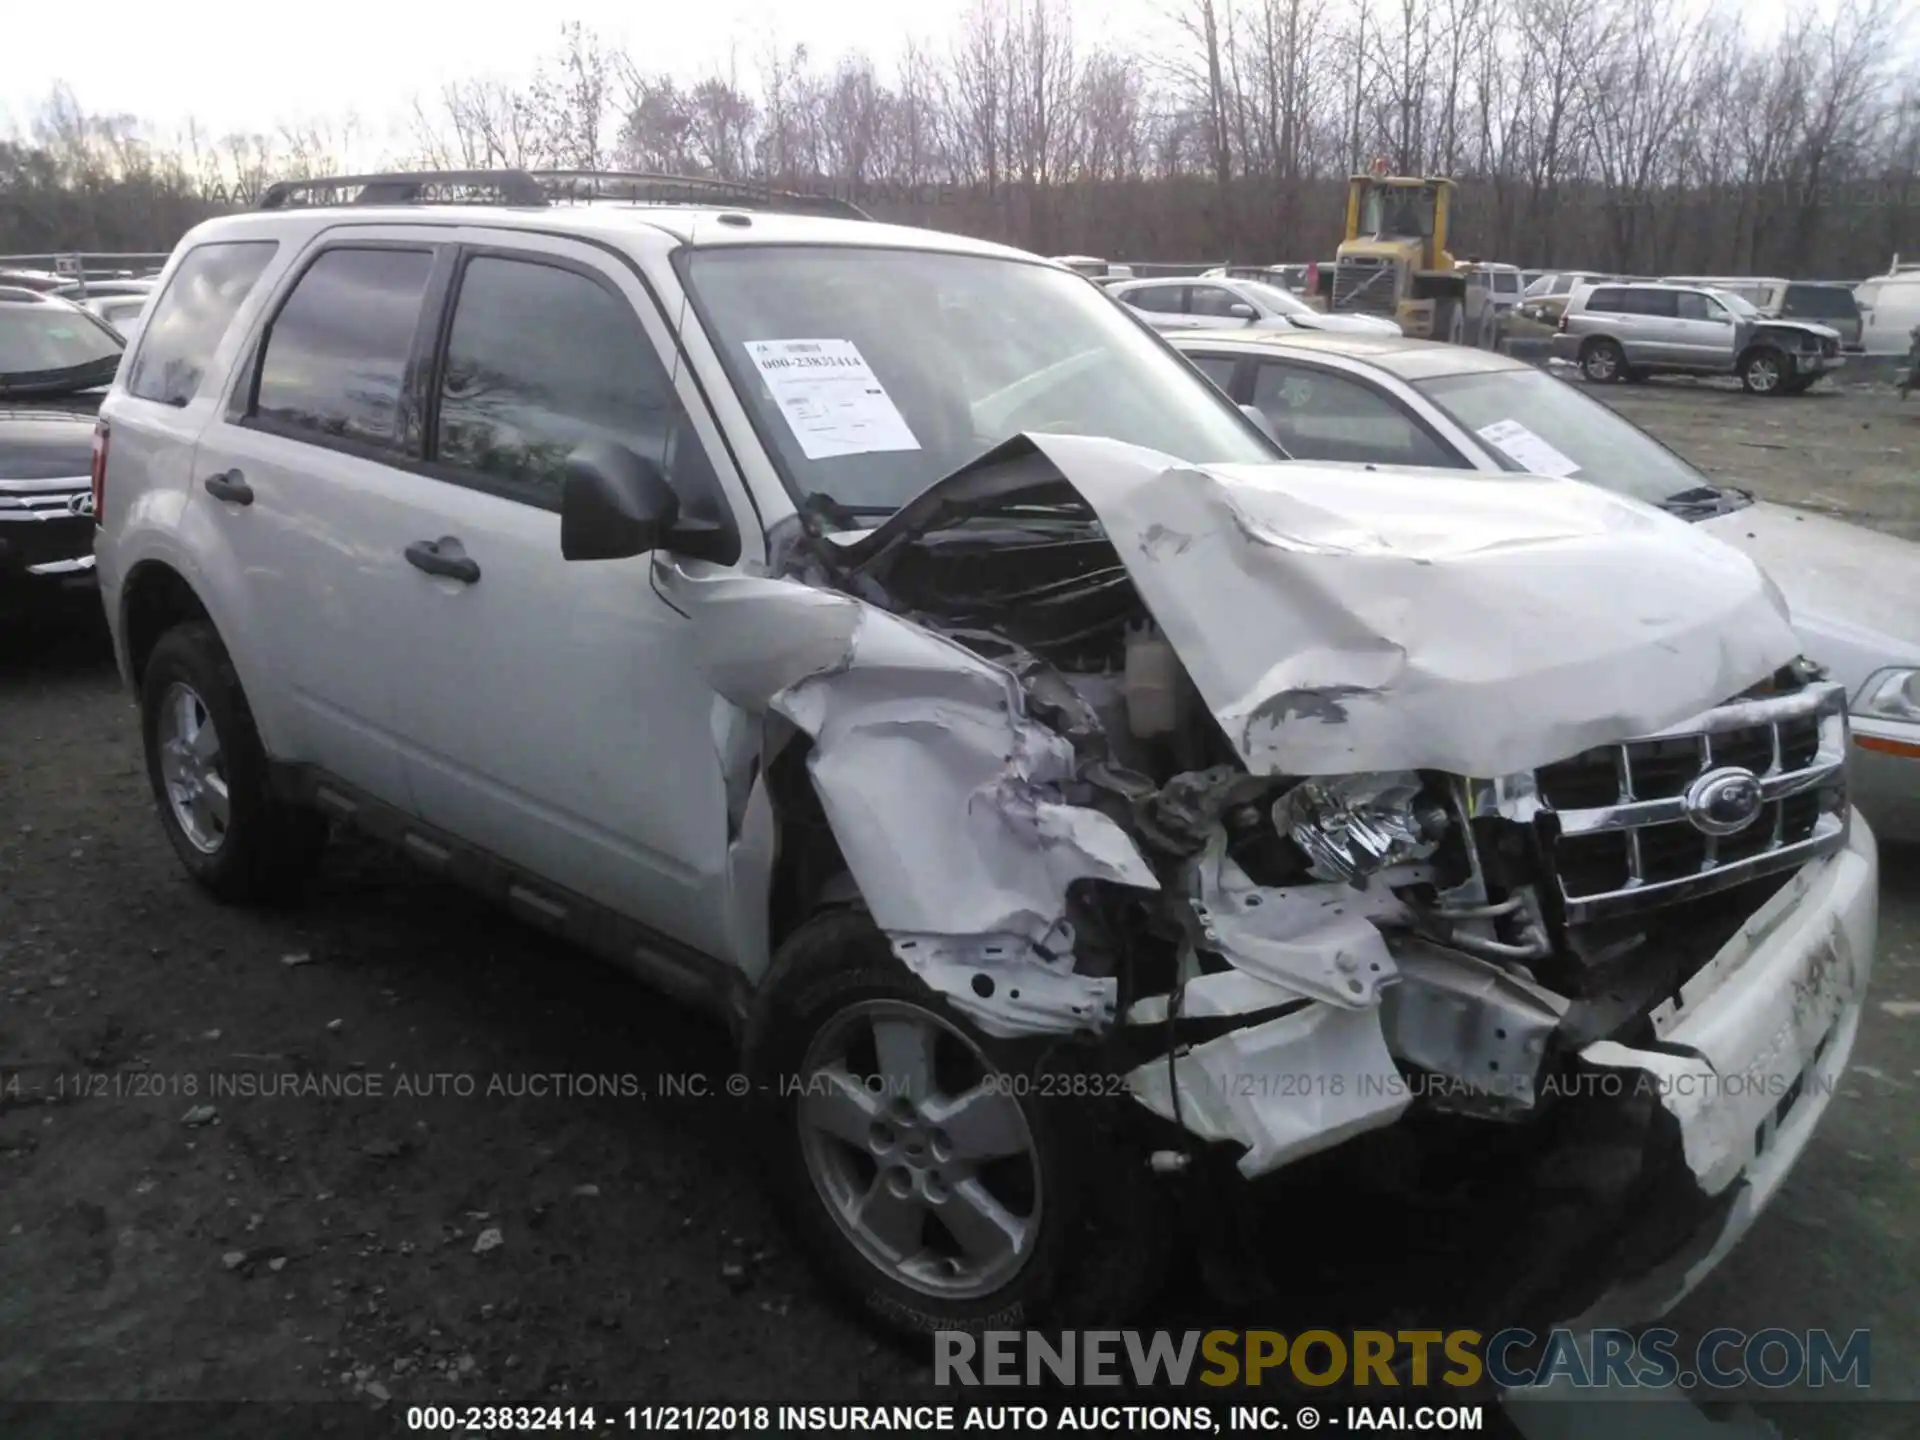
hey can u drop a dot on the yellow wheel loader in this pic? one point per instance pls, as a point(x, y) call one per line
point(1394, 262)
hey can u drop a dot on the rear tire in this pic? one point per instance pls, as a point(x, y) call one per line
point(1603, 362)
point(210, 779)
point(1091, 1221)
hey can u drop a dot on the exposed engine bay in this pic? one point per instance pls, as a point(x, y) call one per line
point(1243, 839)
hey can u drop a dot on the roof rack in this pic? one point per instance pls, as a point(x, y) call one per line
point(644, 187)
point(540, 188)
point(510, 187)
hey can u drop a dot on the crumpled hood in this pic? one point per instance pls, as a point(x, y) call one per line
point(1810, 327)
point(1339, 619)
point(1832, 573)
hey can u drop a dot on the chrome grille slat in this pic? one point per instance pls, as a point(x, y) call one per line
point(1645, 840)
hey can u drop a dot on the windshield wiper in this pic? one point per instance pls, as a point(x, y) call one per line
point(1704, 500)
point(820, 510)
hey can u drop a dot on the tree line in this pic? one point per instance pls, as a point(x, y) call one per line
point(1643, 136)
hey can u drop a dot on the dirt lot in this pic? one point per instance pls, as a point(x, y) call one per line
point(470, 1224)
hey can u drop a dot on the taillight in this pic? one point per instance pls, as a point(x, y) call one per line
point(99, 471)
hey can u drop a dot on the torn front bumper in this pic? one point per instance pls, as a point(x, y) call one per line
point(1751, 1048)
point(1753, 1056)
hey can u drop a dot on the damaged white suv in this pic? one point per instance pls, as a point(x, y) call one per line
point(1084, 818)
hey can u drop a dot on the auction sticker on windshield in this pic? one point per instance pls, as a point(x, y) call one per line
point(1527, 449)
point(832, 399)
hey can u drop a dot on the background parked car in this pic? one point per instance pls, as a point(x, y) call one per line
point(1546, 298)
point(1228, 304)
point(1630, 331)
point(55, 361)
point(1855, 593)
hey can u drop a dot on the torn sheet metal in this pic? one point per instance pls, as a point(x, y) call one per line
point(1338, 619)
point(1471, 1022)
point(1284, 1089)
point(938, 785)
point(1009, 986)
point(1317, 940)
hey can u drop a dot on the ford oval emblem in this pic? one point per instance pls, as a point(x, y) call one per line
point(1724, 801)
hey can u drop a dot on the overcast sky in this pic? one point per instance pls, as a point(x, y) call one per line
point(245, 65)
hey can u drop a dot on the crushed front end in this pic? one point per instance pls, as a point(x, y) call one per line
point(1384, 843)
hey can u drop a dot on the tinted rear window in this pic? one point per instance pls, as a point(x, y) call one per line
point(1607, 300)
point(1827, 302)
point(191, 317)
point(336, 354)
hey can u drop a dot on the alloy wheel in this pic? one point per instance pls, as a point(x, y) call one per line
point(192, 767)
point(919, 1150)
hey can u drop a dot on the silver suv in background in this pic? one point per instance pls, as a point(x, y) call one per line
point(1630, 331)
point(1825, 302)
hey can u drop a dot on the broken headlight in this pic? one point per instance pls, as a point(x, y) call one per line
point(1349, 826)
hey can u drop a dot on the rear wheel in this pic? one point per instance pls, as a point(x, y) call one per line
point(1766, 371)
point(1603, 362)
point(1450, 322)
point(932, 1177)
point(209, 775)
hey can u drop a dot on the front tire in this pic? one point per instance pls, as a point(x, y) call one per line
point(209, 776)
point(941, 1178)
point(1766, 371)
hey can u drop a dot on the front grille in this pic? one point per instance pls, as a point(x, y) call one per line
point(44, 522)
point(1624, 836)
point(1365, 285)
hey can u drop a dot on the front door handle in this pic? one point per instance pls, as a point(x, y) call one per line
point(231, 486)
point(443, 557)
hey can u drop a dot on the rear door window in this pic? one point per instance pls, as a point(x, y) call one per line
point(1213, 300)
point(1160, 299)
point(1606, 301)
point(190, 318)
point(335, 362)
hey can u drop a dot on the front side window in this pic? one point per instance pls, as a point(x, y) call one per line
point(191, 317)
point(1213, 300)
point(872, 373)
point(1692, 305)
point(1317, 415)
point(336, 356)
point(541, 360)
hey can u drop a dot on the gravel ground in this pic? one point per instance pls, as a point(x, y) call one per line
point(176, 1222)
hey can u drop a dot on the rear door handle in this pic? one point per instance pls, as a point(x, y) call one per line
point(231, 486)
point(444, 557)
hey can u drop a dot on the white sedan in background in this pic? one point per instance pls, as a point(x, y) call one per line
point(1854, 593)
point(1209, 303)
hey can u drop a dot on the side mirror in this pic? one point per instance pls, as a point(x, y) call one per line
point(1241, 310)
point(613, 504)
point(1259, 418)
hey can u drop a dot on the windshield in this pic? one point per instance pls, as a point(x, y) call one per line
point(1405, 210)
point(1276, 300)
point(872, 373)
point(1530, 421)
point(1738, 304)
point(37, 338)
